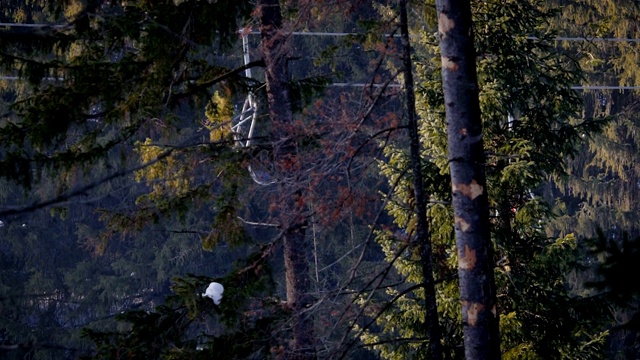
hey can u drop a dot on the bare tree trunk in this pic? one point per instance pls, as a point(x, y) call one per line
point(466, 163)
point(422, 232)
point(292, 209)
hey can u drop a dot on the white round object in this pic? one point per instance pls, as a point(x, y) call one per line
point(214, 291)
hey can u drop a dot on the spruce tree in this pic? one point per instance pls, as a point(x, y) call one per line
point(599, 196)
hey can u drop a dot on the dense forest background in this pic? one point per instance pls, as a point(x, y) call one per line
point(149, 148)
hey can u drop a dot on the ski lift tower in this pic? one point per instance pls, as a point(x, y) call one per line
point(243, 125)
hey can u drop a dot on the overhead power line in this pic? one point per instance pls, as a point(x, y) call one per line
point(558, 38)
point(396, 85)
point(577, 87)
point(16, 78)
point(31, 25)
point(596, 39)
point(341, 34)
point(605, 87)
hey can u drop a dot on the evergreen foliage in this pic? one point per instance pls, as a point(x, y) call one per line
point(105, 77)
point(600, 191)
point(188, 325)
point(109, 72)
point(119, 158)
point(127, 105)
point(531, 124)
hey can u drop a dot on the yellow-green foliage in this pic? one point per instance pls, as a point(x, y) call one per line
point(406, 319)
point(512, 347)
point(527, 111)
point(73, 9)
point(167, 176)
point(219, 113)
point(20, 16)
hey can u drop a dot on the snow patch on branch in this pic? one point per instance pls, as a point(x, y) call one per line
point(214, 291)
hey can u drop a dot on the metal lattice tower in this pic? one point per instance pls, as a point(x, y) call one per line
point(244, 123)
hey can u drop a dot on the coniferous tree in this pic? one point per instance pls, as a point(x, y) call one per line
point(123, 84)
point(528, 131)
point(192, 180)
point(601, 190)
point(103, 80)
point(598, 197)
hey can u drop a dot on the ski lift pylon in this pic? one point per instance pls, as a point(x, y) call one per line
point(243, 125)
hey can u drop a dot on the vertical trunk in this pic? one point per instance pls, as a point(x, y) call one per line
point(422, 232)
point(298, 282)
point(466, 162)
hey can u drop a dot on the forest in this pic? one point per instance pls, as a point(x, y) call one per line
point(319, 179)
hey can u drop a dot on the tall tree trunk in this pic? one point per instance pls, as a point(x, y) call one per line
point(466, 163)
point(422, 232)
point(275, 48)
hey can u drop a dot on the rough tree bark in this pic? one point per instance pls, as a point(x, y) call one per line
point(466, 163)
point(422, 229)
point(292, 208)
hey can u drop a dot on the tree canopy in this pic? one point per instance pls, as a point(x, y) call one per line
point(150, 148)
